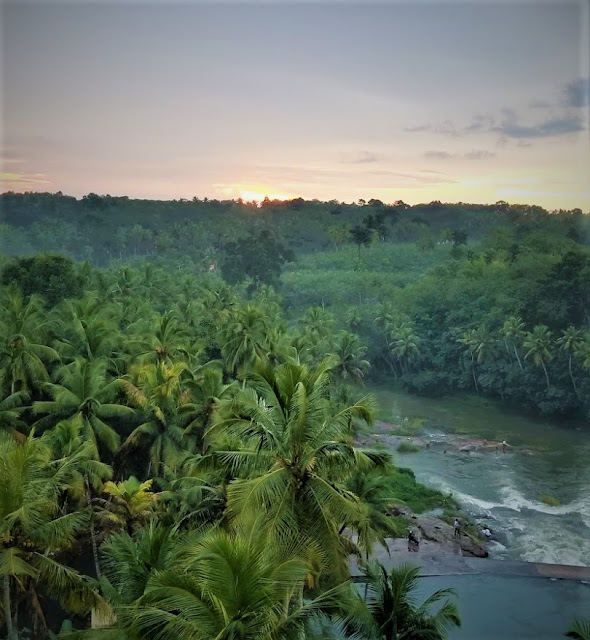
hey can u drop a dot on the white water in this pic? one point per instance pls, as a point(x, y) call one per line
point(504, 490)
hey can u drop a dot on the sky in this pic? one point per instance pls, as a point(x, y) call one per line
point(452, 101)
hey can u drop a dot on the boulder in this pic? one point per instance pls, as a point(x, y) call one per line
point(439, 531)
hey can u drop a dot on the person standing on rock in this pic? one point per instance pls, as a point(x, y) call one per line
point(457, 526)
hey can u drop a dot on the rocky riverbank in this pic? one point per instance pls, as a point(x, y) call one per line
point(435, 533)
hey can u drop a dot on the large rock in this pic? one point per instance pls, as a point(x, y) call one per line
point(439, 531)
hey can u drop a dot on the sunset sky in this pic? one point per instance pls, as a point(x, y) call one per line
point(422, 101)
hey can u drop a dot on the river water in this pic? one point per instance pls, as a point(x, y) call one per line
point(503, 490)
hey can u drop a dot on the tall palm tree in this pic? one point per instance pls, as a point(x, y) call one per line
point(19, 316)
point(207, 389)
point(537, 344)
point(85, 396)
point(87, 328)
point(570, 342)
point(131, 503)
point(88, 474)
point(165, 341)
point(228, 585)
point(391, 603)
point(33, 530)
point(294, 457)
point(157, 391)
point(405, 344)
point(513, 332)
point(348, 357)
point(244, 337)
point(11, 408)
point(480, 346)
point(23, 364)
point(129, 561)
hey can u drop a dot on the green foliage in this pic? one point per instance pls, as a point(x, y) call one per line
point(408, 447)
point(172, 423)
point(580, 629)
point(392, 609)
point(259, 257)
point(53, 277)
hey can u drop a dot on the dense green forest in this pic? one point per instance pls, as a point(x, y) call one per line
point(180, 401)
point(491, 299)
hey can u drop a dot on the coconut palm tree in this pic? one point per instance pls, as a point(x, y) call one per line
point(23, 364)
point(228, 585)
point(157, 391)
point(87, 328)
point(207, 390)
point(67, 441)
point(580, 629)
point(33, 529)
point(84, 396)
point(537, 344)
point(570, 342)
point(22, 317)
point(244, 338)
point(165, 341)
point(405, 344)
point(513, 332)
point(294, 457)
point(130, 504)
point(129, 561)
point(480, 346)
point(11, 408)
point(348, 357)
point(390, 600)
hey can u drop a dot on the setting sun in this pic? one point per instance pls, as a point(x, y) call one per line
point(258, 196)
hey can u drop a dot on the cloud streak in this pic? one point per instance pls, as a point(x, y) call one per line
point(474, 154)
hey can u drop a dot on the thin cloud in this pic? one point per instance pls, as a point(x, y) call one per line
point(360, 157)
point(446, 128)
point(479, 154)
point(546, 129)
point(474, 154)
point(509, 126)
point(22, 181)
point(438, 155)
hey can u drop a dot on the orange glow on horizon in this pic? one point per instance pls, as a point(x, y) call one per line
point(258, 196)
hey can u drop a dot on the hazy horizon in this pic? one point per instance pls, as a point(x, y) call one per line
point(458, 102)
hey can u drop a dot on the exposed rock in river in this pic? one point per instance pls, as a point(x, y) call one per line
point(437, 530)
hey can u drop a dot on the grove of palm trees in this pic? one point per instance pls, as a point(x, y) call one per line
point(180, 454)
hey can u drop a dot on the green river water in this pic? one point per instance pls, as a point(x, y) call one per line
point(503, 491)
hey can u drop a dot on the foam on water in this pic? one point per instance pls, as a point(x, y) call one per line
point(534, 531)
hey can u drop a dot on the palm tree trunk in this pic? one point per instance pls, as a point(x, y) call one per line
point(572, 377)
point(546, 374)
point(473, 372)
point(11, 635)
point(516, 354)
point(93, 534)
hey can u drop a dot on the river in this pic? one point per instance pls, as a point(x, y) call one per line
point(504, 489)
